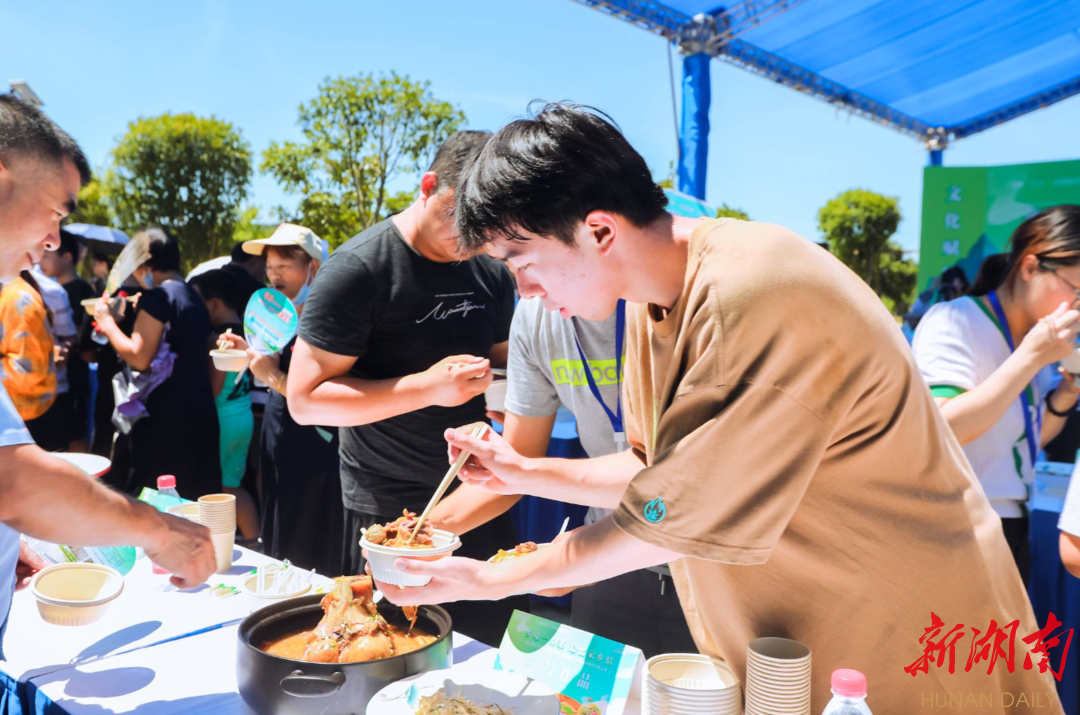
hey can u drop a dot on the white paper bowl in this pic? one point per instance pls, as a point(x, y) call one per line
point(185, 511)
point(495, 396)
point(258, 600)
point(75, 594)
point(382, 558)
point(229, 360)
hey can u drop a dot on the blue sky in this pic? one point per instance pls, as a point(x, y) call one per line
point(775, 153)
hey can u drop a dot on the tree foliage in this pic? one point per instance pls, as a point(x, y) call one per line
point(859, 225)
point(360, 134)
point(726, 211)
point(186, 173)
point(93, 206)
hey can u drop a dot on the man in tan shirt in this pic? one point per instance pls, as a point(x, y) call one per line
point(787, 457)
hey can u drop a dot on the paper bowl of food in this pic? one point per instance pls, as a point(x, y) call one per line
point(386, 543)
point(75, 594)
point(229, 359)
point(465, 690)
point(90, 304)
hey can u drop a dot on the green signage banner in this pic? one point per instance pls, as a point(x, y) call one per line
point(969, 213)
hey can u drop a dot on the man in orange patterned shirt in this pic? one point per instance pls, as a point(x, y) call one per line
point(27, 365)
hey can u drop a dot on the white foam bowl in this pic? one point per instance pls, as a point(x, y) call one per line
point(383, 558)
point(229, 360)
point(75, 594)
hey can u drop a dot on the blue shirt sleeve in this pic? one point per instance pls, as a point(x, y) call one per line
point(12, 429)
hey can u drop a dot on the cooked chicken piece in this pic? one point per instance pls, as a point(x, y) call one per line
point(349, 610)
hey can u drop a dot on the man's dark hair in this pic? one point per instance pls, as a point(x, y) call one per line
point(545, 174)
point(164, 250)
point(26, 131)
point(455, 156)
point(216, 284)
point(109, 260)
point(69, 244)
point(239, 255)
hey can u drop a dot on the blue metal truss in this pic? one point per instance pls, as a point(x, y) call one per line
point(662, 20)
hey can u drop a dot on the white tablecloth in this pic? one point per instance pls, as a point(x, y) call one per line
point(143, 614)
point(189, 675)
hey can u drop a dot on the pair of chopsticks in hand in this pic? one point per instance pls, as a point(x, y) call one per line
point(478, 432)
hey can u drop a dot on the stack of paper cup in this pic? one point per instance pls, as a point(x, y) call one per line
point(689, 684)
point(777, 677)
point(217, 512)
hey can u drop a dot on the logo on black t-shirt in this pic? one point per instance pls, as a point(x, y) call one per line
point(441, 312)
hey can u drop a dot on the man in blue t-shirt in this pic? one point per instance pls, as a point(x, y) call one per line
point(41, 171)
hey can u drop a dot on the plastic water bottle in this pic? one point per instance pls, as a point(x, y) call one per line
point(849, 694)
point(167, 497)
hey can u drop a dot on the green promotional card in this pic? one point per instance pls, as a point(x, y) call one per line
point(592, 675)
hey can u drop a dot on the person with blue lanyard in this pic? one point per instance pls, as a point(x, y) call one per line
point(985, 357)
point(41, 170)
point(558, 362)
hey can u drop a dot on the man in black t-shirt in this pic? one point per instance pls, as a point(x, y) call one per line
point(395, 345)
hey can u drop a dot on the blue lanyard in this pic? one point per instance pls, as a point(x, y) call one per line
point(1025, 399)
point(616, 416)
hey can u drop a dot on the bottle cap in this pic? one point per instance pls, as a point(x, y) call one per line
point(166, 481)
point(849, 683)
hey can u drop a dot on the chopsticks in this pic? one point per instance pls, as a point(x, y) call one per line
point(478, 432)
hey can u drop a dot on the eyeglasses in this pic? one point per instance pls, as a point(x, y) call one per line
point(1076, 289)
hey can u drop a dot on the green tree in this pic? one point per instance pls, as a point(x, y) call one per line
point(859, 225)
point(361, 134)
point(726, 211)
point(248, 228)
point(93, 206)
point(186, 173)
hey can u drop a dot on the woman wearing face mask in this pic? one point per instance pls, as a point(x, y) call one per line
point(984, 357)
point(301, 485)
point(179, 433)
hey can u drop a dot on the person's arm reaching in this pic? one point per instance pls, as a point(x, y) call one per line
point(319, 391)
point(589, 554)
point(500, 352)
point(471, 506)
point(971, 413)
point(138, 350)
point(498, 468)
point(47, 498)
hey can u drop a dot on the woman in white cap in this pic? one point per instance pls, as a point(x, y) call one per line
point(301, 484)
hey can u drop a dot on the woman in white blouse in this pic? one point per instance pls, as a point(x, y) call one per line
point(984, 356)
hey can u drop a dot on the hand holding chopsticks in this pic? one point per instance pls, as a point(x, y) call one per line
point(478, 433)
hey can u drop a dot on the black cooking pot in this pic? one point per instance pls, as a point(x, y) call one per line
point(281, 686)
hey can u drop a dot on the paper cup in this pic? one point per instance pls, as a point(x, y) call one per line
point(230, 360)
point(777, 650)
point(777, 677)
point(382, 558)
point(223, 549)
point(1072, 362)
point(217, 512)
